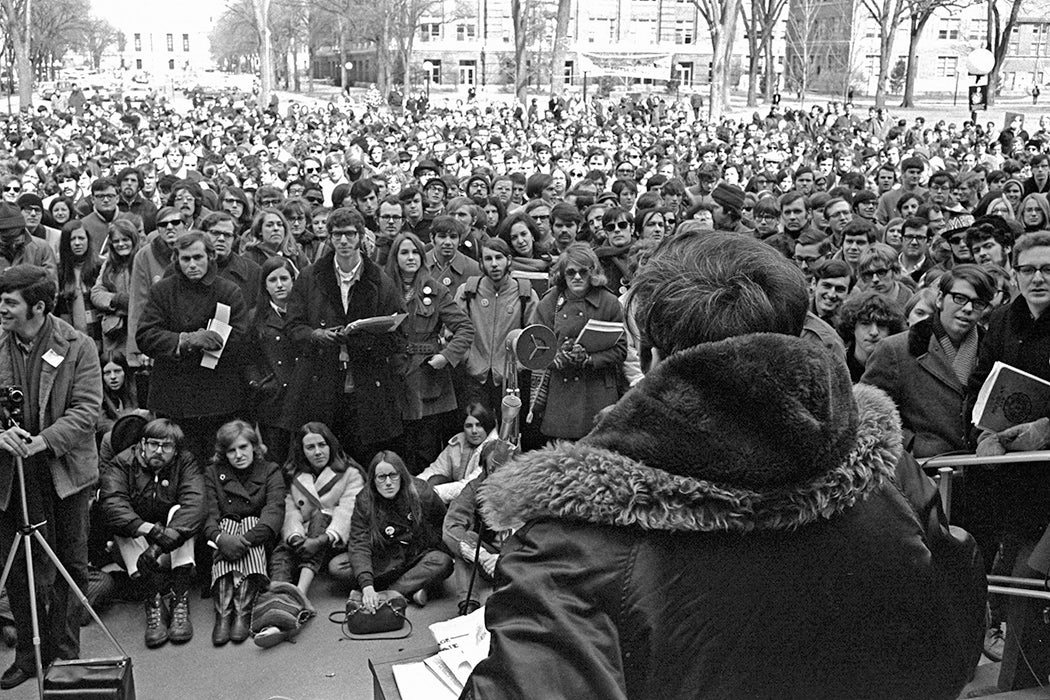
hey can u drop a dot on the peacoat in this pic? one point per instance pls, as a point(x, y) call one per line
point(148, 268)
point(577, 394)
point(179, 386)
point(374, 359)
point(912, 368)
point(273, 357)
point(429, 391)
point(70, 403)
point(331, 492)
point(261, 495)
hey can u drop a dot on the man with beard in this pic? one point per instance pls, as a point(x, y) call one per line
point(131, 200)
point(728, 202)
point(565, 226)
point(17, 247)
point(990, 243)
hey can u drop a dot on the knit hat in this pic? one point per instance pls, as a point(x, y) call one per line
point(729, 196)
point(11, 217)
point(30, 199)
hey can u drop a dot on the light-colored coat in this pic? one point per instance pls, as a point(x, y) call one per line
point(329, 493)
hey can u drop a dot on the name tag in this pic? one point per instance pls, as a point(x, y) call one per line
point(53, 358)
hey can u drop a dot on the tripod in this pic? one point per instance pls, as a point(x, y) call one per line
point(27, 534)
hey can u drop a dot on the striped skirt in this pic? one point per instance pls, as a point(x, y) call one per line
point(253, 561)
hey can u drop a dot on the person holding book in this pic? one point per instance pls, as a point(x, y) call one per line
point(582, 381)
point(437, 338)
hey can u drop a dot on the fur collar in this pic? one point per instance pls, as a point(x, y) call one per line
point(760, 432)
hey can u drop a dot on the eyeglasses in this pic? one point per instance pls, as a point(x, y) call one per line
point(957, 240)
point(12, 188)
point(315, 200)
point(573, 272)
point(388, 477)
point(270, 202)
point(231, 200)
point(963, 300)
point(390, 217)
point(869, 275)
point(185, 198)
point(806, 259)
point(171, 223)
point(1030, 270)
point(622, 225)
point(344, 233)
point(160, 445)
point(914, 238)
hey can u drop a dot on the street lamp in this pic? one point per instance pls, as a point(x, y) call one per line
point(678, 85)
point(347, 67)
point(979, 63)
point(428, 71)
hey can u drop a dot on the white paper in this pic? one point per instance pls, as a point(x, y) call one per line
point(464, 641)
point(417, 682)
point(220, 323)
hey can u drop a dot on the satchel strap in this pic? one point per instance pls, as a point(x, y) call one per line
point(342, 618)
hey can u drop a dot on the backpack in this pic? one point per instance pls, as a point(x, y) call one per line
point(470, 290)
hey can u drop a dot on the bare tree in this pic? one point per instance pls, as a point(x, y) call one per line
point(761, 18)
point(518, 10)
point(561, 41)
point(17, 20)
point(97, 35)
point(803, 29)
point(262, 25)
point(888, 15)
point(999, 33)
point(919, 13)
point(721, 18)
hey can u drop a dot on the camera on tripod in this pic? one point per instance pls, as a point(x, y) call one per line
point(11, 402)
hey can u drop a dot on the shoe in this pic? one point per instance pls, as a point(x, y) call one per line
point(180, 630)
point(272, 636)
point(243, 600)
point(994, 641)
point(420, 597)
point(156, 628)
point(222, 598)
point(15, 676)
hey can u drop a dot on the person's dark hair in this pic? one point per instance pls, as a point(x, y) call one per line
point(406, 501)
point(982, 282)
point(869, 307)
point(214, 219)
point(535, 185)
point(792, 196)
point(269, 265)
point(620, 185)
point(563, 211)
point(501, 210)
point(409, 193)
point(230, 433)
point(130, 171)
point(707, 286)
point(363, 188)
point(477, 410)
point(344, 217)
point(915, 223)
point(499, 245)
point(503, 233)
point(981, 231)
point(164, 429)
point(88, 263)
point(185, 240)
point(905, 198)
point(828, 269)
point(1038, 159)
point(298, 463)
point(861, 227)
point(942, 176)
point(102, 183)
point(124, 396)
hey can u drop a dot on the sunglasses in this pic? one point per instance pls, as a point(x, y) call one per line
point(315, 200)
point(622, 225)
point(171, 223)
point(12, 188)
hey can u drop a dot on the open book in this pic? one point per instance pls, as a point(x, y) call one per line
point(376, 324)
point(599, 335)
point(463, 643)
point(1010, 396)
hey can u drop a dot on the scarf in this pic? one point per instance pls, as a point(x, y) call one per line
point(963, 358)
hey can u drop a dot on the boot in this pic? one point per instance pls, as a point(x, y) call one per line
point(180, 630)
point(156, 627)
point(222, 597)
point(243, 600)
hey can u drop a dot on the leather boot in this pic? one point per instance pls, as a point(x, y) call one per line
point(180, 630)
point(156, 629)
point(222, 597)
point(243, 600)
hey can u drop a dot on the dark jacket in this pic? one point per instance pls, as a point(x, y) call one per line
point(131, 495)
point(179, 386)
point(374, 359)
point(273, 356)
point(404, 541)
point(142, 207)
point(262, 496)
point(245, 274)
point(912, 368)
point(728, 531)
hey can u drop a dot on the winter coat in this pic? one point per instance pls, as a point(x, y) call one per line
point(732, 528)
point(147, 269)
point(34, 251)
point(70, 400)
point(262, 496)
point(577, 394)
point(494, 313)
point(331, 493)
point(403, 542)
point(374, 359)
point(179, 386)
point(110, 296)
point(458, 462)
point(131, 495)
point(429, 391)
point(912, 368)
point(273, 356)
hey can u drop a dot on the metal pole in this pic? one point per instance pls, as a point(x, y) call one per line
point(955, 98)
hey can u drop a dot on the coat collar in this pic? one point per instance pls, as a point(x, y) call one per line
point(61, 337)
point(924, 346)
point(325, 267)
point(753, 433)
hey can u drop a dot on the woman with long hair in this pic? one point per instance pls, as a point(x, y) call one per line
point(297, 213)
point(460, 462)
point(520, 231)
point(495, 212)
point(324, 483)
point(244, 512)
point(395, 535)
point(59, 212)
point(110, 293)
point(118, 390)
point(236, 203)
point(78, 268)
point(274, 355)
point(438, 336)
point(270, 236)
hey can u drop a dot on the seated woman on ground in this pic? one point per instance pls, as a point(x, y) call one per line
point(460, 461)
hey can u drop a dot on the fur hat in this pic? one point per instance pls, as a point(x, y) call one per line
point(11, 217)
point(729, 196)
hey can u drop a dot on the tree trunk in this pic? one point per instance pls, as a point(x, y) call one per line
point(561, 38)
point(917, 25)
point(343, 77)
point(722, 45)
point(771, 73)
point(881, 87)
point(753, 53)
point(521, 74)
point(262, 21)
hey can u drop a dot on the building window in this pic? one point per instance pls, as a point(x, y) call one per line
point(171, 42)
point(569, 72)
point(431, 31)
point(465, 32)
point(683, 32)
point(1015, 41)
point(138, 42)
point(435, 71)
point(978, 30)
point(602, 29)
point(171, 64)
point(138, 64)
point(871, 65)
point(186, 42)
point(948, 28)
point(946, 66)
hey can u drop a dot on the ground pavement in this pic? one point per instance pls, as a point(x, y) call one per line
point(317, 667)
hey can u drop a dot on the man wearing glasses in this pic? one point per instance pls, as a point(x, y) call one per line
point(103, 212)
point(17, 247)
point(148, 268)
point(914, 259)
point(152, 502)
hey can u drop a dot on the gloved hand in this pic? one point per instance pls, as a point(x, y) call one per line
point(989, 445)
point(120, 301)
point(202, 340)
point(1026, 437)
point(231, 547)
point(578, 355)
point(147, 561)
point(164, 537)
point(314, 545)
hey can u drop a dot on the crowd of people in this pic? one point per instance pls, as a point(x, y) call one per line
point(219, 261)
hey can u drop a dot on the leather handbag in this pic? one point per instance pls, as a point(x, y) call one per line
point(90, 679)
point(388, 621)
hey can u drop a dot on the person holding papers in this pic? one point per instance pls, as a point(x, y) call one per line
point(581, 382)
point(193, 327)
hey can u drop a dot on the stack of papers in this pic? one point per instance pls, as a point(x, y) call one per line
point(463, 643)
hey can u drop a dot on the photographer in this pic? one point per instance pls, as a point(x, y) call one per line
point(55, 370)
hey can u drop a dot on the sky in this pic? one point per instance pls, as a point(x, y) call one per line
point(152, 13)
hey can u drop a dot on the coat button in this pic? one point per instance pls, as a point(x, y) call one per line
point(277, 337)
point(302, 503)
point(378, 384)
point(279, 362)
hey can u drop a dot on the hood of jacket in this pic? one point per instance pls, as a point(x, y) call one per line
point(757, 432)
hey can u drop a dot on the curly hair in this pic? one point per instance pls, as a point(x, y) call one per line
point(869, 307)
